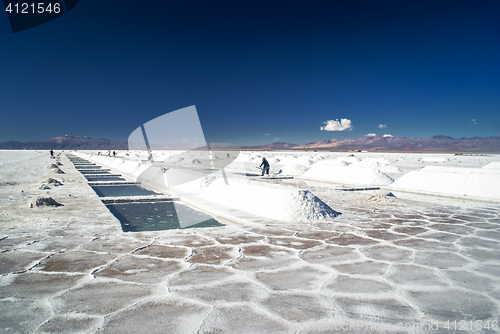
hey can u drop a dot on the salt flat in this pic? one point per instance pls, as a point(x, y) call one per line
point(404, 264)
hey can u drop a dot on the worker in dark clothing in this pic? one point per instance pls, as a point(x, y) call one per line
point(51, 154)
point(265, 166)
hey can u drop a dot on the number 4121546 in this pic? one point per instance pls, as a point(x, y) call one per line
point(38, 8)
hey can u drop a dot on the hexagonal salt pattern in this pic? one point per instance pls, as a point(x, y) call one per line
point(371, 270)
point(240, 278)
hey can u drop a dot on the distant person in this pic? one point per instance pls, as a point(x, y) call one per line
point(98, 153)
point(265, 166)
point(114, 153)
point(51, 154)
point(109, 153)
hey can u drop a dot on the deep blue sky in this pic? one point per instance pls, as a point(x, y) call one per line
point(253, 68)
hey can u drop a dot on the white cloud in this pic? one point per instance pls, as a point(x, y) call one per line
point(335, 125)
point(387, 135)
point(276, 139)
point(474, 121)
point(382, 126)
point(371, 135)
point(266, 134)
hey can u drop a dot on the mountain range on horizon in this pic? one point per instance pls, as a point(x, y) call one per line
point(439, 143)
point(66, 143)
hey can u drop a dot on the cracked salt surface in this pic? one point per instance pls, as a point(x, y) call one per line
point(71, 269)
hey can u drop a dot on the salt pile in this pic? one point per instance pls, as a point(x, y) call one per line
point(348, 174)
point(391, 169)
point(372, 162)
point(53, 182)
point(49, 181)
point(42, 201)
point(473, 182)
point(289, 160)
point(305, 161)
point(273, 161)
point(57, 170)
point(274, 202)
point(492, 165)
point(292, 169)
point(350, 159)
point(332, 162)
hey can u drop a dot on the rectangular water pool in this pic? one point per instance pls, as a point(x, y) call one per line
point(111, 178)
point(94, 172)
point(138, 217)
point(120, 191)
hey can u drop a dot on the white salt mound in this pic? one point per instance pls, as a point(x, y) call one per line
point(492, 165)
point(332, 162)
point(391, 169)
point(289, 160)
point(43, 186)
point(456, 181)
point(304, 161)
point(350, 159)
point(174, 160)
point(42, 201)
point(292, 169)
point(273, 161)
point(348, 174)
point(372, 162)
point(272, 201)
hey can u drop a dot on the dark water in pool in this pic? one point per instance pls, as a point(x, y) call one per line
point(122, 190)
point(94, 172)
point(138, 217)
point(111, 178)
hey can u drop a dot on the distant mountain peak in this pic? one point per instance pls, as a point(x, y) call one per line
point(441, 137)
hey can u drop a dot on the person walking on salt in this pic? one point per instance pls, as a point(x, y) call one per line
point(265, 166)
